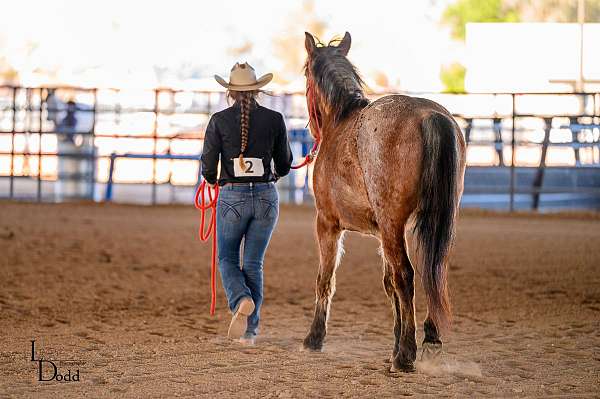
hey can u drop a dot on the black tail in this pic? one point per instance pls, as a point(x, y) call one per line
point(437, 206)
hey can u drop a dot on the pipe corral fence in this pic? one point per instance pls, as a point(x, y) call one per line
point(525, 150)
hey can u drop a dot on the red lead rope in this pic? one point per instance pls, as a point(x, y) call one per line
point(213, 194)
point(203, 206)
point(313, 116)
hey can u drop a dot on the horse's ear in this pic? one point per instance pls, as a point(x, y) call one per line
point(344, 45)
point(309, 43)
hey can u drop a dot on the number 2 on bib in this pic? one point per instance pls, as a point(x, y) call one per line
point(254, 167)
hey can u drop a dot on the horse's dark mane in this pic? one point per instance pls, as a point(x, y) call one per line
point(337, 80)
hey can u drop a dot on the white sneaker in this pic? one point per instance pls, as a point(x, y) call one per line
point(239, 321)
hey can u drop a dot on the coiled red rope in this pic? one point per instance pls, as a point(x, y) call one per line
point(200, 201)
point(201, 204)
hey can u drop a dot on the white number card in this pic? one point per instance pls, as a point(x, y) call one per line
point(254, 167)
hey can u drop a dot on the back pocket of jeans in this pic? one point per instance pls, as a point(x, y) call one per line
point(268, 208)
point(231, 211)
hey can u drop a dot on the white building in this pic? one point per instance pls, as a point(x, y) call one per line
point(530, 57)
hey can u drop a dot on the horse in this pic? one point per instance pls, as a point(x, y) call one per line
point(380, 164)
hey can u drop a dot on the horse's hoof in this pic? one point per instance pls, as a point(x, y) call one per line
point(431, 351)
point(390, 359)
point(404, 367)
point(312, 344)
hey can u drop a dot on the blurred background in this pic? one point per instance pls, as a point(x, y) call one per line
point(108, 101)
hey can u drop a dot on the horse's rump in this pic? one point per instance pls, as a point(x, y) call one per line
point(409, 152)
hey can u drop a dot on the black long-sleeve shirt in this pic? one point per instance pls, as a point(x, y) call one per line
point(267, 140)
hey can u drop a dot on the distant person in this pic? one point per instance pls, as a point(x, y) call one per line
point(68, 125)
point(53, 107)
point(245, 137)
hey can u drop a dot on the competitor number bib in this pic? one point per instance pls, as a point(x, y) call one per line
point(254, 167)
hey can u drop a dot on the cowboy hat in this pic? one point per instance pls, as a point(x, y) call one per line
point(243, 78)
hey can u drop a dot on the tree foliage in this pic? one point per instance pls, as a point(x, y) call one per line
point(453, 78)
point(457, 15)
point(461, 12)
point(555, 10)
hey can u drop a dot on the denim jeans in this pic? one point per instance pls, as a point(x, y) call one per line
point(246, 214)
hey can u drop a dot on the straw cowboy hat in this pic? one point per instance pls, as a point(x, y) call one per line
point(243, 78)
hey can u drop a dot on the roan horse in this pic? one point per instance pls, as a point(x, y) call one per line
point(379, 164)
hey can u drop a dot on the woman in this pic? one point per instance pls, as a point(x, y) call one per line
point(246, 137)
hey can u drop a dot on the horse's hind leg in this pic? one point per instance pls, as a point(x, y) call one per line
point(328, 235)
point(390, 291)
point(432, 345)
point(402, 277)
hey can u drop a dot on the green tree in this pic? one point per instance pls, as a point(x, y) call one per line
point(457, 15)
point(554, 10)
point(453, 78)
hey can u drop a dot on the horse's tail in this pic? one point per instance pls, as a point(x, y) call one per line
point(437, 210)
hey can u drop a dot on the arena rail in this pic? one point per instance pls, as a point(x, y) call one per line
point(108, 194)
point(25, 118)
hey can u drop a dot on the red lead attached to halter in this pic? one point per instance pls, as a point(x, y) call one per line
point(313, 117)
point(203, 205)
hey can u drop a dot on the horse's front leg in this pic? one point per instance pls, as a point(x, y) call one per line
point(328, 235)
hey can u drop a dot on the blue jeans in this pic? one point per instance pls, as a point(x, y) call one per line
point(248, 214)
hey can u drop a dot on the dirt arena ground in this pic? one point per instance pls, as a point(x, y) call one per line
point(122, 294)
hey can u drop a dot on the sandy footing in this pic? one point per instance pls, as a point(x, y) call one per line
point(121, 293)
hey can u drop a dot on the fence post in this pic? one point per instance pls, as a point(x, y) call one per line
point(29, 108)
point(39, 182)
point(92, 192)
point(155, 136)
point(498, 143)
point(512, 157)
point(468, 129)
point(538, 181)
point(12, 145)
point(108, 194)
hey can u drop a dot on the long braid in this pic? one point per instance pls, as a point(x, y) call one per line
point(244, 124)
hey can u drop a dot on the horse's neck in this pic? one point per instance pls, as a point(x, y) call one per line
point(331, 129)
point(340, 137)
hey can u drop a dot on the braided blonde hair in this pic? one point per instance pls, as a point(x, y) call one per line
point(245, 99)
